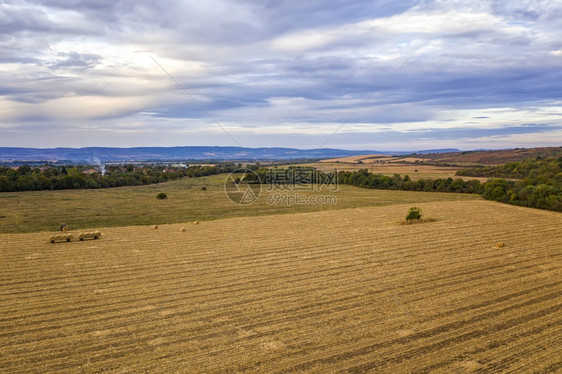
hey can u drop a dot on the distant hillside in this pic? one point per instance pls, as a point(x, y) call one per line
point(445, 150)
point(101, 154)
point(491, 157)
point(96, 155)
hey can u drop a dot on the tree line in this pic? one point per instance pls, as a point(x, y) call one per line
point(542, 190)
point(27, 178)
point(538, 182)
point(365, 179)
point(540, 186)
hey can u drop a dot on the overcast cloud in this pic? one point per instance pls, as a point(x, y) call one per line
point(481, 74)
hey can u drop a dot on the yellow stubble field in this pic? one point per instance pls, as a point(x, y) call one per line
point(348, 290)
point(414, 171)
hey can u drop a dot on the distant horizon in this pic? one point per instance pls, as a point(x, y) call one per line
point(280, 147)
point(97, 155)
point(296, 148)
point(288, 147)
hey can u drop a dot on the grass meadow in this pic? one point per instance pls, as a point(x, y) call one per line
point(125, 206)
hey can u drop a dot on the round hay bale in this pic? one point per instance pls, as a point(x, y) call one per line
point(155, 227)
point(182, 229)
point(52, 238)
point(500, 245)
point(196, 222)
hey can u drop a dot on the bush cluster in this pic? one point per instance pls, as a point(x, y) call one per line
point(413, 214)
point(538, 184)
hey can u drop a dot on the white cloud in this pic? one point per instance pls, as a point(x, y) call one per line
point(266, 70)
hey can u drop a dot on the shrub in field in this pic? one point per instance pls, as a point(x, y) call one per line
point(414, 213)
point(161, 196)
point(415, 216)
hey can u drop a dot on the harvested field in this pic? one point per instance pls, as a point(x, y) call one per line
point(496, 157)
point(336, 291)
point(414, 171)
point(355, 159)
point(373, 159)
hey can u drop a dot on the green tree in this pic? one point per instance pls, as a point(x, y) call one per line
point(414, 213)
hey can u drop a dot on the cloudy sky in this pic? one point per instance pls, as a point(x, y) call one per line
point(380, 75)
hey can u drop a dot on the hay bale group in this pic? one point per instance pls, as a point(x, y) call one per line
point(60, 238)
point(89, 235)
point(68, 237)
